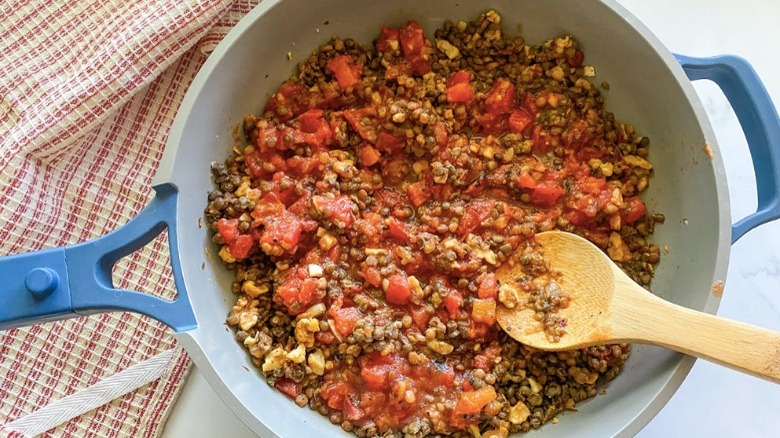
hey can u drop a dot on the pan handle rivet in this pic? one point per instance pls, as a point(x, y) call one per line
point(41, 282)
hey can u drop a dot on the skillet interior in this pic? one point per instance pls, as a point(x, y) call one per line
point(647, 89)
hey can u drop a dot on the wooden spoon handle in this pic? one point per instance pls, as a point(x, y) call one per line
point(743, 347)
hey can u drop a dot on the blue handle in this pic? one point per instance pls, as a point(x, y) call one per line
point(76, 280)
point(760, 123)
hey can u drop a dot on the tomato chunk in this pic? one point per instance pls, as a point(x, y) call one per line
point(500, 99)
point(398, 291)
point(311, 120)
point(458, 87)
point(363, 122)
point(298, 291)
point(338, 209)
point(388, 39)
point(368, 155)
point(546, 195)
point(242, 246)
point(288, 387)
point(397, 231)
point(459, 77)
point(484, 310)
point(348, 72)
point(471, 402)
point(417, 193)
point(388, 142)
point(488, 287)
point(519, 120)
point(635, 209)
point(453, 302)
point(525, 181)
point(228, 229)
point(413, 48)
point(345, 319)
point(459, 93)
point(477, 211)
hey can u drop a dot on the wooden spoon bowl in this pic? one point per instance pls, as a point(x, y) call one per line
point(608, 307)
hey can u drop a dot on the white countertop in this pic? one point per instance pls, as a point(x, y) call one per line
point(713, 401)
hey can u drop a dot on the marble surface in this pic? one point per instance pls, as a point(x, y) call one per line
point(713, 401)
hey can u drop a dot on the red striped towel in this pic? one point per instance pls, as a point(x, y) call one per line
point(88, 91)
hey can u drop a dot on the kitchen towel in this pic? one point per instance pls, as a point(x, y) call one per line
point(88, 91)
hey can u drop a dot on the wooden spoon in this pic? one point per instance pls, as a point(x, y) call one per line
point(608, 307)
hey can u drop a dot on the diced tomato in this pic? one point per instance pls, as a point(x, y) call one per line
point(458, 87)
point(420, 317)
point(288, 386)
point(576, 135)
point(398, 291)
point(285, 232)
point(576, 217)
point(293, 99)
point(484, 310)
point(635, 209)
point(587, 153)
point(539, 137)
point(303, 166)
point(388, 39)
point(255, 160)
point(335, 393)
point(576, 59)
point(413, 48)
point(241, 247)
point(338, 209)
point(282, 103)
point(529, 104)
point(368, 155)
point(440, 134)
point(363, 122)
point(488, 287)
point(348, 72)
point(546, 195)
point(371, 275)
point(417, 193)
point(412, 39)
point(526, 181)
point(471, 402)
point(477, 330)
point(453, 302)
point(352, 412)
point(388, 142)
point(298, 291)
point(519, 120)
point(311, 120)
point(228, 229)
point(487, 359)
point(397, 231)
point(459, 93)
point(459, 77)
point(476, 212)
point(500, 99)
point(325, 337)
point(374, 377)
point(345, 319)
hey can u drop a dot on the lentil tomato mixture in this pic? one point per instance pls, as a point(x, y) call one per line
point(376, 195)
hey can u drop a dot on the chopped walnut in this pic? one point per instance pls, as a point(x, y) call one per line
point(519, 413)
point(316, 362)
point(225, 255)
point(304, 331)
point(508, 296)
point(274, 360)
